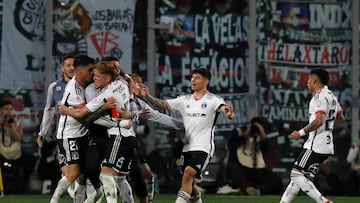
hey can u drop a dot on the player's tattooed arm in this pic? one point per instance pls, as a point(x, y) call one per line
point(315, 124)
point(159, 103)
point(162, 104)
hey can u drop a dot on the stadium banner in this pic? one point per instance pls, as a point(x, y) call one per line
point(22, 63)
point(211, 41)
point(216, 42)
point(304, 54)
point(95, 28)
point(23, 46)
point(294, 38)
point(296, 77)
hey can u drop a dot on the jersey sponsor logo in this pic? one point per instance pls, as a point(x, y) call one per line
point(203, 105)
point(195, 114)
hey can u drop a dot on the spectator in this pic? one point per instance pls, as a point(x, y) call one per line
point(11, 155)
point(246, 167)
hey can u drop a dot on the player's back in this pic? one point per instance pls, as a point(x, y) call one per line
point(321, 140)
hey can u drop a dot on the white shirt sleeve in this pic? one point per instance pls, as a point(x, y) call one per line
point(176, 104)
point(158, 117)
point(97, 102)
point(320, 105)
point(107, 122)
point(49, 111)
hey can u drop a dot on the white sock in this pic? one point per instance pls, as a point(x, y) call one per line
point(80, 193)
point(95, 196)
point(90, 189)
point(150, 188)
point(125, 189)
point(196, 199)
point(290, 193)
point(71, 190)
point(62, 185)
point(307, 186)
point(182, 197)
point(110, 188)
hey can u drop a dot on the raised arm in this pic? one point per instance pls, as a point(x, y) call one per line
point(158, 117)
point(159, 103)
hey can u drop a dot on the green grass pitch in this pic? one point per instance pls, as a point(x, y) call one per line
point(169, 198)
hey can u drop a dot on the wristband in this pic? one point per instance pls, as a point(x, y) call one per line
point(302, 132)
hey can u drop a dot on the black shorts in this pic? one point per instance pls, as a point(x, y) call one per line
point(308, 161)
point(119, 153)
point(72, 151)
point(197, 160)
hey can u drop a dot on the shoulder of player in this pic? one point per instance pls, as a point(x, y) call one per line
point(210, 95)
point(325, 95)
point(90, 86)
point(53, 84)
point(118, 85)
point(185, 96)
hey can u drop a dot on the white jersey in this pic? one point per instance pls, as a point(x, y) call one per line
point(91, 92)
point(321, 140)
point(120, 91)
point(199, 117)
point(74, 97)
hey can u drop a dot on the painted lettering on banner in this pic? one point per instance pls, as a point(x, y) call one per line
point(304, 54)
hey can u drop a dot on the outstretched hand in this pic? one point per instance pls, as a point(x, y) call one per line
point(144, 90)
point(229, 111)
point(144, 113)
point(125, 113)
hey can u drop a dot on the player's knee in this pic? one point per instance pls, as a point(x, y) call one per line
point(189, 174)
point(72, 173)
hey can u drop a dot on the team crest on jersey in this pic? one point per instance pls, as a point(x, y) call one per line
point(78, 98)
point(58, 88)
point(74, 155)
point(203, 105)
point(188, 106)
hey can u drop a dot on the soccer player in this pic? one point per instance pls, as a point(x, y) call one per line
point(199, 112)
point(325, 113)
point(122, 141)
point(71, 134)
point(54, 96)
